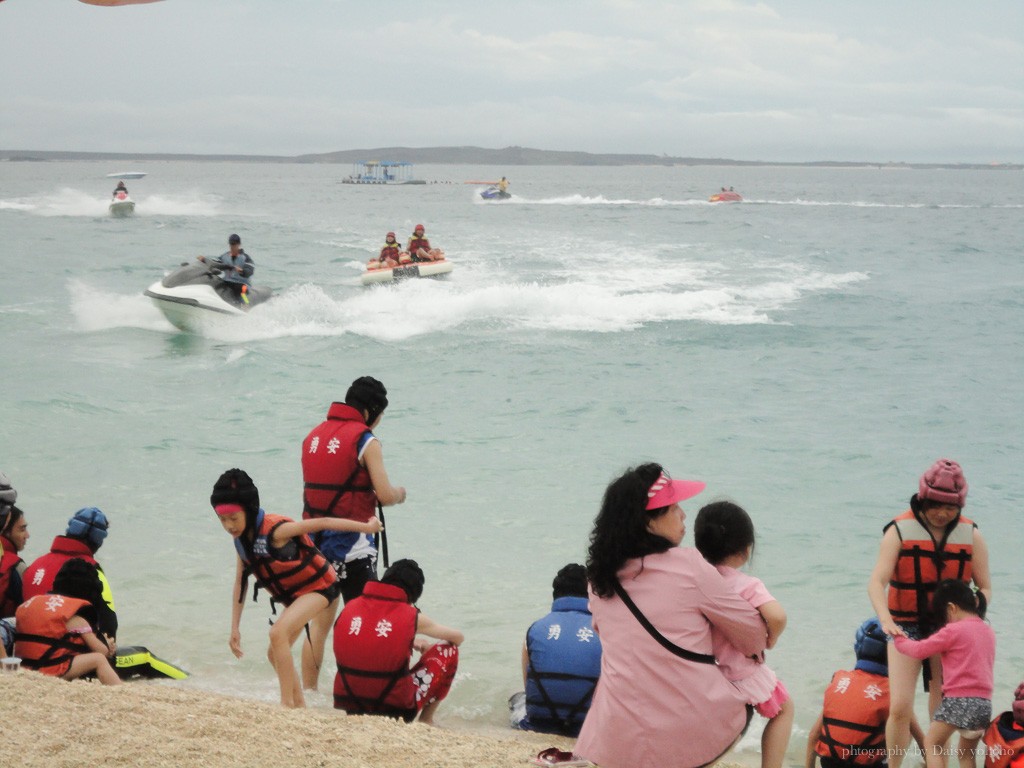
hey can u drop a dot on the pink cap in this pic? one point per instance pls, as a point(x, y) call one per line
point(943, 483)
point(228, 509)
point(665, 491)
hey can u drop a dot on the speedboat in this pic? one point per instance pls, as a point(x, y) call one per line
point(406, 272)
point(494, 193)
point(122, 205)
point(726, 196)
point(194, 294)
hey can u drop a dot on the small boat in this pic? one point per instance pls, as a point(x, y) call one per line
point(726, 196)
point(194, 294)
point(382, 172)
point(494, 193)
point(126, 175)
point(122, 205)
point(406, 272)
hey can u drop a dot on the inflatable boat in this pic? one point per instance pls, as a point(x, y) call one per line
point(406, 272)
point(726, 196)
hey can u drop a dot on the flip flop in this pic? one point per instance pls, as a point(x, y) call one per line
point(555, 756)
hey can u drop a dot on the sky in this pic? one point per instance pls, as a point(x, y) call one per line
point(778, 80)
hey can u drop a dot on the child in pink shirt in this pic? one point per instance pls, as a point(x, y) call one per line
point(967, 646)
point(724, 535)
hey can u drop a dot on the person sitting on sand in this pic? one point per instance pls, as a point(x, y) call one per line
point(55, 632)
point(419, 248)
point(278, 552)
point(13, 537)
point(850, 731)
point(561, 661)
point(1004, 738)
point(373, 642)
point(85, 533)
point(389, 254)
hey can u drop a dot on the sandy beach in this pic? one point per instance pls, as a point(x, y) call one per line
point(53, 723)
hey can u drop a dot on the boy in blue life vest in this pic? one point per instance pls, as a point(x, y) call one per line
point(561, 661)
point(850, 731)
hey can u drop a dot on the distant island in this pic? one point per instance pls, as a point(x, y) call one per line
point(509, 156)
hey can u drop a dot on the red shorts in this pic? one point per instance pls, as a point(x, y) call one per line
point(434, 673)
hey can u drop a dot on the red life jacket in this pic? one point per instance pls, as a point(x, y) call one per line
point(373, 645)
point(287, 572)
point(38, 577)
point(390, 251)
point(42, 640)
point(415, 243)
point(1004, 740)
point(9, 561)
point(853, 718)
point(923, 562)
point(335, 483)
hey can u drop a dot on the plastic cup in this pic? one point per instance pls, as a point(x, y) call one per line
point(10, 664)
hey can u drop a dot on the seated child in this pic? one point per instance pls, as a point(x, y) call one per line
point(54, 632)
point(374, 637)
point(1004, 739)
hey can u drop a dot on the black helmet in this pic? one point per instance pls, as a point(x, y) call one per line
point(236, 487)
point(406, 574)
point(367, 394)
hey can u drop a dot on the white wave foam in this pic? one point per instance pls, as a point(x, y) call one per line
point(75, 202)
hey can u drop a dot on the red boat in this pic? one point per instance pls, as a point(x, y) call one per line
point(726, 196)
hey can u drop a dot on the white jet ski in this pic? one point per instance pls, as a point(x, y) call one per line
point(194, 294)
point(122, 205)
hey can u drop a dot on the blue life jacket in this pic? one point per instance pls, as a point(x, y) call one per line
point(564, 664)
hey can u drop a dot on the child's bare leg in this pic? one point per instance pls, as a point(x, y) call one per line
point(313, 646)
point(775, 737)
point(935, 743)
point(282, 636)
point(427, 713)
point(903, 672)
point(967, 751)
point(96, 662)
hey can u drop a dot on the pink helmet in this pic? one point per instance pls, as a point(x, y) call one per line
point(389, 234)
point(419, 228)
point(943, 483)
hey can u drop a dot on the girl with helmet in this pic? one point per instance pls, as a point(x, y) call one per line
point(278, 552)
point(929, 542)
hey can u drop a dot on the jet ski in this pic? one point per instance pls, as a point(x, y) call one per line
point(122, 205)
point(494, 193)
point(194, 294)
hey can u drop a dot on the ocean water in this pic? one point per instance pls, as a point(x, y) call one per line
point(808, 353)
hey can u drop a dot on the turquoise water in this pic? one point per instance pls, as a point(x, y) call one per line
point(807, 353)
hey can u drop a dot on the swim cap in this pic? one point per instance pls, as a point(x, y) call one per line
point(236, 487)
point(870, 647)
point(571, 581)
point(368, 394)
point(90, 525)
point(406, 574)
point(234, 239)
point(943, 483)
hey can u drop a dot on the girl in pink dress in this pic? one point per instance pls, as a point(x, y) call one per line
point(724, 534)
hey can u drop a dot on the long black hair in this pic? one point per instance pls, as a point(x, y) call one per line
point(620, 528)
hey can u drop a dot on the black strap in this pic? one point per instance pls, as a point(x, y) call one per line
point(380, 539)
point(668, 645)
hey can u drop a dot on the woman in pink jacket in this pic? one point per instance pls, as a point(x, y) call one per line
point(661, 700)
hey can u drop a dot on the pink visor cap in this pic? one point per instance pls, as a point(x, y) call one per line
point(665, 491)
point(228, 509)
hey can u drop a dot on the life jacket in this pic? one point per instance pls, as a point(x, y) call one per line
point(41, 638)
point(853, 718)
point(390, 251)
point(923, 562)
point(9, 561)
point(1004, 742)
point(564, 662)
point(335, 483)
point(373, 639)
point(287, 572)
point(415, 243)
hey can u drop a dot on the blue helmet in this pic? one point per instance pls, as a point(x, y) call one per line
point(870, 647)
point(90, 525)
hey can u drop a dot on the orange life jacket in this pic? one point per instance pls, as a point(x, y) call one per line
point(373, 645)
point(335, 483)
point(853, 718)
point(1004, 742)
point(287, 572)
point(923, 562)
point(42, 640)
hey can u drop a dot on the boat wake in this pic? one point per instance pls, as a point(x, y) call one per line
point(75, 202)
